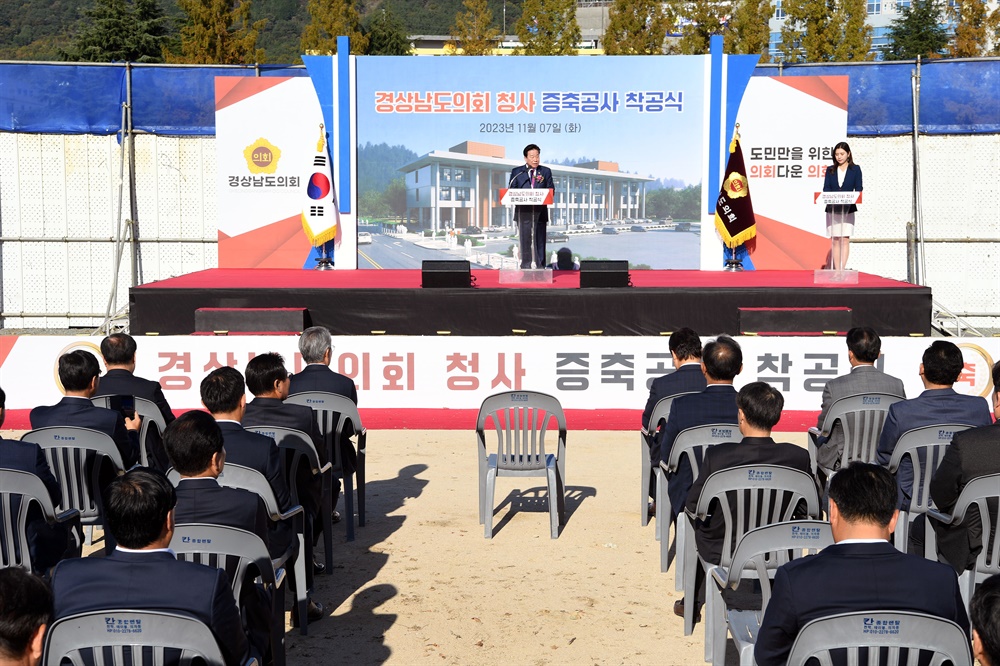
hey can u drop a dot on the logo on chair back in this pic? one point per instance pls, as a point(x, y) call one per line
point(519, 397)
point(187, 539)
point(116, 625)
point(314, 401)
point(63, 438)
point(874, 627)
point(722, 433)
point(871, 400)
point(758, 475)
point(946, 435)
point(800, 532)
point(267, 433)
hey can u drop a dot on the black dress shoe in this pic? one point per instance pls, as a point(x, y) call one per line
point(335, 518)
point(651, 509)
point(314, 612)
point(679, 610)
point(319, 568)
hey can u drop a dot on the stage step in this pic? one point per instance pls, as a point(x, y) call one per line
point(795, 321)
point(209, 321)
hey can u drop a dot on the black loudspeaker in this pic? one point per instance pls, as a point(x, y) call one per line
point(604, 274)
point(450, 274)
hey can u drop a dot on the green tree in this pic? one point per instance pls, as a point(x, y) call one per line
point(811, 30)
point(636, 27)
point(748, 30)
point(917, 32)
point(386, 35)
point(219, 32)
point(854, 43)
point(474, 31)
point(118, 31)
point(548, 27)
point(395, 196)
point(974, 25)
point(328, 20)
point(701, 20)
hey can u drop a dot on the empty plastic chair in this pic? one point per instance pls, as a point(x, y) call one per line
point(18, 491)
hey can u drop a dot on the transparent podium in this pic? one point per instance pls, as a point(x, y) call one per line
point(527, 196)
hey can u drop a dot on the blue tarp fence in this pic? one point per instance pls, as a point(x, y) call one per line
point(956, 96)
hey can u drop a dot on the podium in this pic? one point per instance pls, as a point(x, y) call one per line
point(527, 196)
point(827, 276)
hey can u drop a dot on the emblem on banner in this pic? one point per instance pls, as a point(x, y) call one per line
point(736, 186)
point(262, 156)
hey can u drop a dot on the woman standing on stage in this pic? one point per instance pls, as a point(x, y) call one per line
point(843, 176)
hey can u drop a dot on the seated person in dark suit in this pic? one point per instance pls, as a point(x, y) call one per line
point(142, 573)
point(268, 380)
point(722, 360)
point(47, 544)
point(971, 454)
point(25, 613)
point(686, 377)
point(984, 611)
point(79, 374)
point(938, 404)
point(861, 571)
point(316, 347)
point(759, 408)
point(863, 349)
point(223, 392)
point(194, 444)
point(118, 351)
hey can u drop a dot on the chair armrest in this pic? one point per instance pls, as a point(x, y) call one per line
point(720, 575)
point(279, 576)
point(324, 469)
point(252, 661)
point(940, 516)
point(68, 514)
point(292, 511)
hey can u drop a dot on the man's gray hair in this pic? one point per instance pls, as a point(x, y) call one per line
point(314, 342)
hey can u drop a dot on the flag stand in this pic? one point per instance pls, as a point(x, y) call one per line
point(734, 265)
point(324, 263)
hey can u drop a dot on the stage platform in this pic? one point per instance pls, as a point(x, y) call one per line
point(392, 302)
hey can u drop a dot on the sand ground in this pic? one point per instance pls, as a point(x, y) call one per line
point(421, 585)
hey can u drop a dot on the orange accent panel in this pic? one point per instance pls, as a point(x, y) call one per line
point(783, 247)
point(6, 344)
point(282, 244)
point(232, 89)
point(830, 89)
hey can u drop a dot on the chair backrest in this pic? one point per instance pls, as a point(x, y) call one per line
point(766, 548)
point(301, 446)
point(74, 455)
point(978, 492)
point(109, 634)
point(661, 411)
point(151, 418)
point(887, 631)
point(333, 412)
point(521, 420)
point(692, 443)
point(227, 548)
point(17, 491)
point(861, 419)
point(925, 447)
point(751, 496)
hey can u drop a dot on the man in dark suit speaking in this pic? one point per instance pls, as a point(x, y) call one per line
point(531, 219)
point(861, 571)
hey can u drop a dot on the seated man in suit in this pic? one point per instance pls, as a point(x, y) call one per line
point(223, 392)
point(79, 374)
point(863, 349)
point(142, 573)
point(268, 380)
point(194, 444)
point(861, 571)
point(687, 377)
point(971, 454)
point(722, 360)
point(316, 347)
point(984, 611)
point(938, 404)
point(25, 613)
point(118, 351)
point(47, 544)
point(759, 408)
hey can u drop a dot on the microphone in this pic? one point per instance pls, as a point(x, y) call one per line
point(510, 183)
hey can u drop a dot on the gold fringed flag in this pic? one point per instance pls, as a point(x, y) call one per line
point(321, 216)
point(734, 216)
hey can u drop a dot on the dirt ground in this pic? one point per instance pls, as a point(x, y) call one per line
point(421, 585)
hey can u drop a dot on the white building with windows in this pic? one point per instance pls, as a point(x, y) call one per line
point(459, 187)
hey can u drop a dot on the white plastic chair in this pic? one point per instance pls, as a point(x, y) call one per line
point(80, 639)
point(925, 447)
point(661, 412)
point(334, 412)
point(749, 496)
point(758, 555)
point(18, 490)
point(521, 420)
point(861, 419)
point(887, 632)
point(151, 418)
